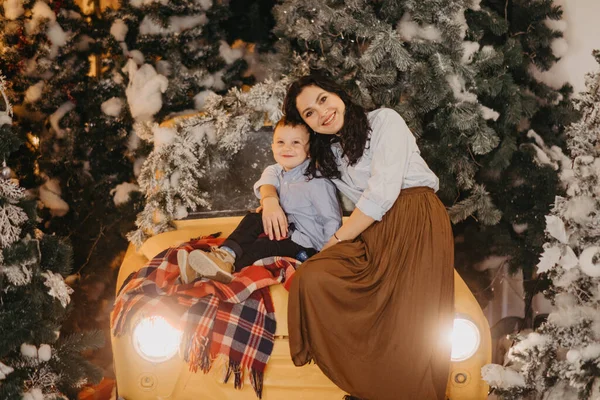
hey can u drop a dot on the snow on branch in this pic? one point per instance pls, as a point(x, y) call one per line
point(171, 174)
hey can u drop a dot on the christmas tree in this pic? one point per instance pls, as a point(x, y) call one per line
point(45, 51)
point(178, 59)
point(173, 54)
point(504, 42)
point(75, 138)
point(458, 72)
point(35, 361)
point(560, 359)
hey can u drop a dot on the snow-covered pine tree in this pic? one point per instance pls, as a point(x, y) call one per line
point(173, 55)
point(45, 50)
point(36, 363)
point(177, 60)
point(504, 42)
point(100, 187)
point(191, 151)
point(66, 97)
point(560, 359)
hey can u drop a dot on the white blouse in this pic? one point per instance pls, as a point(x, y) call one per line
point(391, 162)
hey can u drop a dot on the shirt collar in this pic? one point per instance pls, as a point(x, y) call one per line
point(297, 171)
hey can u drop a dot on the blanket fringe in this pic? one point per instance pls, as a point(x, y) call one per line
point(238, 373)
point(197, 354)
point(256, 379)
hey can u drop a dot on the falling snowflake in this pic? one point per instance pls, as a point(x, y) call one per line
point(58, 288)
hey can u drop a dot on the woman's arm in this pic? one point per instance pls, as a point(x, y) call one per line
point(326, 205)
point(392, 145)
point(274, 220)
point(351, 228)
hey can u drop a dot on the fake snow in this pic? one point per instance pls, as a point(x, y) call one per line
point(34, 92)
point(200, 99)
point(496, 375)
point(163, 136)
point(50, 196)
point(112, 107)
point(144, 92)
point(228, 54)
point(13, 9)
point(57, 116)
point(410, 30)
point(177, 24)
point(119, 30)
point(488, 113)
point(39, 12)
point(121, 192)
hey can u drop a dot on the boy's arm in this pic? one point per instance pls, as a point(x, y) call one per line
point(274, 220)
point(268, 177)
point(326, 204)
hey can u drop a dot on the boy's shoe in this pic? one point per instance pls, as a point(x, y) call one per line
point(216, 264)
point(186, 273)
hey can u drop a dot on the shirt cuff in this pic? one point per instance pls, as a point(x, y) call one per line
point(268, 180)
point(370, 208)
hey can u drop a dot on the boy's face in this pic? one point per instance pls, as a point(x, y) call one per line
point(290, 146)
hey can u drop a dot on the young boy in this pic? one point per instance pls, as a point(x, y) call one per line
point(311, 206)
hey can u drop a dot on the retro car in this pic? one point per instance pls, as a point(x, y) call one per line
point(147, 362)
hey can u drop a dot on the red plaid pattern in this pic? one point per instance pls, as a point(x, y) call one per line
point(235, 320)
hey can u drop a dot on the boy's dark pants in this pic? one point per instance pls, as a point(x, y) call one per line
point(250, 246)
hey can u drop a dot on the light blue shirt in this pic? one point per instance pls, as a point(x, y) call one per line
point(391, 162)
point(311, 205)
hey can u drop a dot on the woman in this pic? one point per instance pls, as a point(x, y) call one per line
point(374, 309)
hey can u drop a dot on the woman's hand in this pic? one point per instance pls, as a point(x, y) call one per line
point(351, 228)
point(332, 241)
point(275, 223)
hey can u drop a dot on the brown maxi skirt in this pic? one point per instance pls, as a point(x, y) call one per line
point(375, 313)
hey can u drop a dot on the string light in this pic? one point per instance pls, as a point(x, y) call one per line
point(33, 139)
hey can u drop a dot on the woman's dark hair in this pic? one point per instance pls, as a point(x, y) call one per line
point(353, 136)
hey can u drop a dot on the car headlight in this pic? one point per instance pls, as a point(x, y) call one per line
point(465, 339)
point(155, 339)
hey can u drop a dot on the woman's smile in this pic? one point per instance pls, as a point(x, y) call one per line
point(329, 119)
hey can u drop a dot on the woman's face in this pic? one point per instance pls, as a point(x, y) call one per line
point(323, 111)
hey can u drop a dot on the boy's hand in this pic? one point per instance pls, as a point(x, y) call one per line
point(274, 220)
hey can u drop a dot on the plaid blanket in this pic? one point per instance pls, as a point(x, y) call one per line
point(235, 320)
